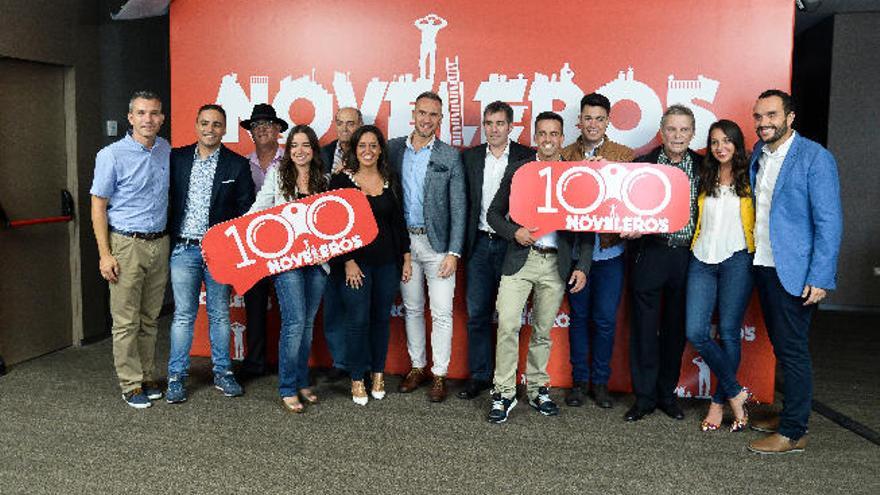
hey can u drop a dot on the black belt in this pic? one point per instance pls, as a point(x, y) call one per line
point(187, 241)
point(543, 250)
point(492, 236)
point(146, 236)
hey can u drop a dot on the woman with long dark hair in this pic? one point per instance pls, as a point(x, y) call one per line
point(299, 174)
point(372, 274)
point(720, 272)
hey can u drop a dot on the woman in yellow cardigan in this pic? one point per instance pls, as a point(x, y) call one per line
point(720, 272)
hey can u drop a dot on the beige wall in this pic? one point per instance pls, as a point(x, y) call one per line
point(65, 33)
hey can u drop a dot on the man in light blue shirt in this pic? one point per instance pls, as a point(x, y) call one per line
point(129, 212)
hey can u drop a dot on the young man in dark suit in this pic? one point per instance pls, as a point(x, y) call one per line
point(484, 167)
point(209, 184)
point(538, 266)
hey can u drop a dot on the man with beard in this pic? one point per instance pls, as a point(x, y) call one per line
point(657, 334)
point(434, 202)
point(209, 184)
point(484, 168)
point(532, 266)
point(347, 121)
point(599, 300)
point(798, 226)
point(265, 128)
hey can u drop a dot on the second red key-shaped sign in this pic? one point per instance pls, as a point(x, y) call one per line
point(600, 196)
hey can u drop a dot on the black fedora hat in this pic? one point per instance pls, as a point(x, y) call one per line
point(264, 111)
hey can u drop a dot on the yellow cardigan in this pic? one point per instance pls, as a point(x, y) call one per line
point(746, 211)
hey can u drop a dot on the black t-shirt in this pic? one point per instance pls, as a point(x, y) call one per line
point(392, 239)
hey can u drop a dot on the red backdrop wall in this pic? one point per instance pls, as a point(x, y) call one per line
point(309, 58)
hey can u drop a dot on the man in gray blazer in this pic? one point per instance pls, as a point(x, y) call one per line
point(435, 208)
point(542, 266)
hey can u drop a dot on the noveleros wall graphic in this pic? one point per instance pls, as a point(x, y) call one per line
point(309, 58)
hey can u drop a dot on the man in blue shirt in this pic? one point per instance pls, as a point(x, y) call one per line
point(129, 211)
point(210, 184)
point(435, 209)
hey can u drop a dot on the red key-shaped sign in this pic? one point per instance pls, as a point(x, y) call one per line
point(307, 232)
point(600, 196)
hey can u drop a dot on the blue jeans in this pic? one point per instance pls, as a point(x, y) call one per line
point(368, 314)
point(597, 302)
point(299, 296)
point(188, 271)
point(788, 325)
point(334, 319)
point(483, 278)
point(728, 286)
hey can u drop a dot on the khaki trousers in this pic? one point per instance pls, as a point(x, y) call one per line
point(135, 301)
point(539, 275)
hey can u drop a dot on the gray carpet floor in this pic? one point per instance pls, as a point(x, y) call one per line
point(65, 429)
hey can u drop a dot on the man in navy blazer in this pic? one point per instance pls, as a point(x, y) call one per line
point(435, 207)
point(347, 120)
point(209, 184)
point(484, 167)
point(798, 226)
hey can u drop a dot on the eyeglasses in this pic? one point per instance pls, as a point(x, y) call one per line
point(261, 123)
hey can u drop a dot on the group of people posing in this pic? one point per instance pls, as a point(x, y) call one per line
point(769, 219)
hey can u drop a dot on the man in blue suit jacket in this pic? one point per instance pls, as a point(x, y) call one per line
point(209, 184)
point(798, 227)
point(435, 209)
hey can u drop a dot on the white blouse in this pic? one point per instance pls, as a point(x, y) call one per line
point(271, 195)
point(721, 227)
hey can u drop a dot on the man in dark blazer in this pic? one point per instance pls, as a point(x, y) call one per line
point(538, 266)
point(657, 334)
point(209, 184)
point(434, 204)
point(347, 120)
point(484, 167)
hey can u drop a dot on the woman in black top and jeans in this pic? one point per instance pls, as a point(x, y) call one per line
point(372, 273)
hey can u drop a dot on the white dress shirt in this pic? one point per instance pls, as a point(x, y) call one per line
point(493, 172)
point(770, 164)
point(721, 230)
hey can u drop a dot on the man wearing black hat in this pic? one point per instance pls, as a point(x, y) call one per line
point(265, 128)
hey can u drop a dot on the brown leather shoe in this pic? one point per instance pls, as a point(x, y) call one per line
point(438, 389)
point(777, 444)
point(413, 380)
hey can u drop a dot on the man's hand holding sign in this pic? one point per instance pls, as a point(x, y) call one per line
point(288, 236)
